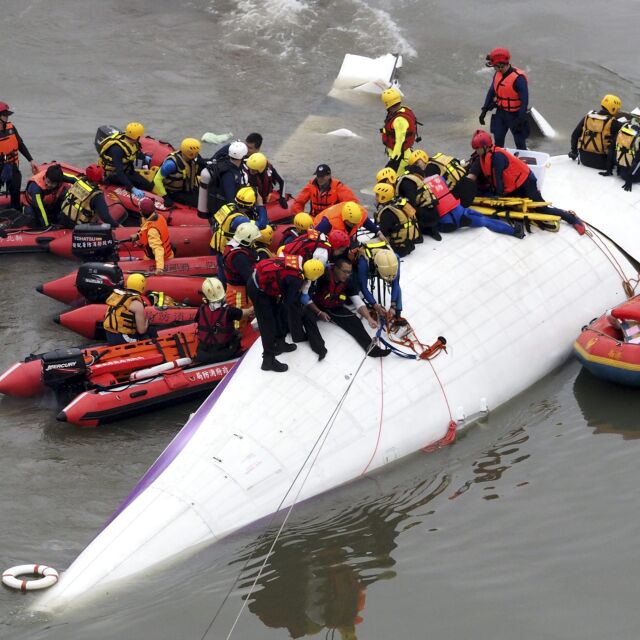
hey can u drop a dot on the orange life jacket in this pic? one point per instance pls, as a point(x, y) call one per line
point(334, 215)
point(514, 175)
point(445, 200)
point(507, 97)
point(49, 196)
point(160, 224)
point(9, 145)
point(388, 132)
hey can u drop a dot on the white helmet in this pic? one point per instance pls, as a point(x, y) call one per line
point(213, 290)
point(238, 150)
point(247, 233)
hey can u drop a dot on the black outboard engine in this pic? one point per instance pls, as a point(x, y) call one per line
point(96, 281)
point(64, 371)
point(102, 134)
point(94, 243)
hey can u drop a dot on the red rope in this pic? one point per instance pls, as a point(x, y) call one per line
point(375, 450)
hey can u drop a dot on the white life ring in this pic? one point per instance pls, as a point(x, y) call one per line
point(49, 577)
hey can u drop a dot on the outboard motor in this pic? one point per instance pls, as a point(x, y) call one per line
point(102, 134)
point(64, 371)
point(96, 281)
point(94, 243)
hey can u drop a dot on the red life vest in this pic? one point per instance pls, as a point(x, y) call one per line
point(329, 293)
point(9, 145)
point(513, 176)
point(306, 244)
point(49, 196)
point(214, 326)
point(262, 182)
point(334, 215)
point(507, 97)
point(445, 200)
point(230, 272)
point(160, 224)
point(270, 274)
point(388, 132)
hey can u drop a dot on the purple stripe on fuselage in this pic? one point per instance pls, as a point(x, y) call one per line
point(175, 446)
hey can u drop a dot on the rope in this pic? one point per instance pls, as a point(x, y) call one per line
point(319, 443)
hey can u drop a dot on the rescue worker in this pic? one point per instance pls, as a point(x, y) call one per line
point(263, 243)
point(314, 244)
point(263, 177)
point(241, 209)
point(274, 289)
point(387, 175)
point(509, 95)
point(625, 155)
point(301, 223)
point(321, 192)
point(118, 155)
point(177, 178)
point(378, 267)
point(125, 319)
point(410, 185)
point(218, 338)
point(154, 235)
point(454, 173)
point(44, 194)
point(223, 176)
point(507, 175)
point(11, 145)
point(396, 218)
point(238, 262)
point(327, 302)
point(347, 217)
point(84, 202)
point(596, 133)
point(400, 129)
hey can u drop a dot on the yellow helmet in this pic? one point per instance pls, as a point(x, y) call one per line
point(611, 103)
point(386, 262)
point(134, 130)
point(257, 162)
point(266, 235)
point(213, 290)
point(390, 97)
point(351, 212)
point(136, 282)
point(387, 175)
point(313, 269)
point(190, 148)
point(246, 197)
point(384, 192)
point(302, 221)
point(416, 155)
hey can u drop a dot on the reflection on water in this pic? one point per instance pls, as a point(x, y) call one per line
point(318, 573)
point(608, 407)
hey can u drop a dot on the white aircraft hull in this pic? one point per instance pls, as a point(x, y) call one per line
point(510, 310)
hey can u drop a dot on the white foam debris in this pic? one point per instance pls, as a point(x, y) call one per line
point(359, 70)
point(343, 133)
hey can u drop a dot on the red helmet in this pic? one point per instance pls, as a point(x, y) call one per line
point(94, 173)
point(338, 239)
point(481, 139)
point(498, 56)
point(4, 108)
point(147, 206)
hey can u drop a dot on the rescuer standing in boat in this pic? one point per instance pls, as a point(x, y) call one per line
point(399, 131)
point(154, 235)
point(509, 95)
point(596, 133)
point(218, 339)
point(263, 177)
point(11, 145)
point(322, 191)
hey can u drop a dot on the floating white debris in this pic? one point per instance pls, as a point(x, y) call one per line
point(343, 133)
point(357, 71)
point(216, 138)
point(545, 128)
